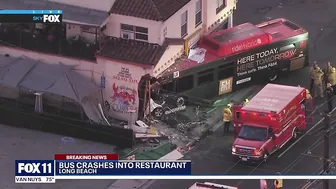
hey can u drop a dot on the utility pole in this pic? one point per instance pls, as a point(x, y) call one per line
point(326, 149)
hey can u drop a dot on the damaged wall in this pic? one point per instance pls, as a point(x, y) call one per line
point(121, 89)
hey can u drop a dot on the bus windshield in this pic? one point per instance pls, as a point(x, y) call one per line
point(248, 132)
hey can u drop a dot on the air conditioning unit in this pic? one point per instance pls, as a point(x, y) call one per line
point(127, 35)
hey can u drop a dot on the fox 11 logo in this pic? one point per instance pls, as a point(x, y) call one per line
point(48, 18)
point(34, 168)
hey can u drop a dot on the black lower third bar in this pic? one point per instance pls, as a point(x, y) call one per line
point(31, 18)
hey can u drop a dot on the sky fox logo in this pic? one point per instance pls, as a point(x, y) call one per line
point(48, 18)
point(51, 18)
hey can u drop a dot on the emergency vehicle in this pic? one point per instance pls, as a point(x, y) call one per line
point(272, 118)
point(209, 185)
point(232, 59)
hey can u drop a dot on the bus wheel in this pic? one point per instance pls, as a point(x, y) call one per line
point(273, 75)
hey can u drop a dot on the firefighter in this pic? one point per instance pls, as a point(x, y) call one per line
point(278, 183)
point(332, 77)
point(311, 72)
point(329, 93)
point(246, 101)
point(327, 71)
point(227, 117)
point(318, 87)
point(308, 95)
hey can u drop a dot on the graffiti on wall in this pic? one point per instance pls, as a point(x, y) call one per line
point(123, 98)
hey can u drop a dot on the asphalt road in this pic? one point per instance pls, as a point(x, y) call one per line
point(212, 155)
point(16, 143)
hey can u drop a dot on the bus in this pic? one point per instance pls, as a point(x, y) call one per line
point(231, 59)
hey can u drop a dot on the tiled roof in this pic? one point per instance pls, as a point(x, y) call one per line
point(134, 51)
point(158, 10)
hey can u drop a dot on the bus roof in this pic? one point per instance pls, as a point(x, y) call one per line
point(273, 98)
point(274, 30)
point(234, 40)
point(280, 29)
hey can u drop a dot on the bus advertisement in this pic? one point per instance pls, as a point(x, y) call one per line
point(234, 58)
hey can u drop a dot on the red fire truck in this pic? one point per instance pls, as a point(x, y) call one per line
point(209, 185)
point(272, 118)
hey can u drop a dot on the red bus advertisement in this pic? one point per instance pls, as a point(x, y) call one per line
point(231, 59)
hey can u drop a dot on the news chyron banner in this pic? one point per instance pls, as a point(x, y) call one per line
point(94, 166)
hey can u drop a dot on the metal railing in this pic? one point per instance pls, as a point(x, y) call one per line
point(38, 41)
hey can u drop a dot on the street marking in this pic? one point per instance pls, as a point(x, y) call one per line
point(298, 140)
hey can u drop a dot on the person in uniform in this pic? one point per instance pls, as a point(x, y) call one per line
point(311, 72)
point(318, 85)
point(327, 71)
point(227, 117)
point(329, 93)
point(278, 183)
point(246, 101)
point(308, 95)
point(332, 77)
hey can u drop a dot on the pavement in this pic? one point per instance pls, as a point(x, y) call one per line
point(17, 143)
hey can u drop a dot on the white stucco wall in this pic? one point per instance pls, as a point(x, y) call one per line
point(76, 30)
point(168, 58)
point(173, 24)
point(103, 5)
point(211, 20)
point(121, 90)
point(114, 22)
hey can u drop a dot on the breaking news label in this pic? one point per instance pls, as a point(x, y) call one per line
point(94, 166)
point(31, 16)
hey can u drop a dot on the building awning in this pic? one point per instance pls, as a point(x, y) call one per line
point(64, 81)
point(71, 14)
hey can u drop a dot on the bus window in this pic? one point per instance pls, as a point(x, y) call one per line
point(225, 71)
point(168, 86)
point(185, 83)
point(287, 47)
point(205, 77)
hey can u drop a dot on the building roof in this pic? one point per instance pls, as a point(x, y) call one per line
point(71, 14)
point(273, 97)
point(158, 10)
point(134, 51)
